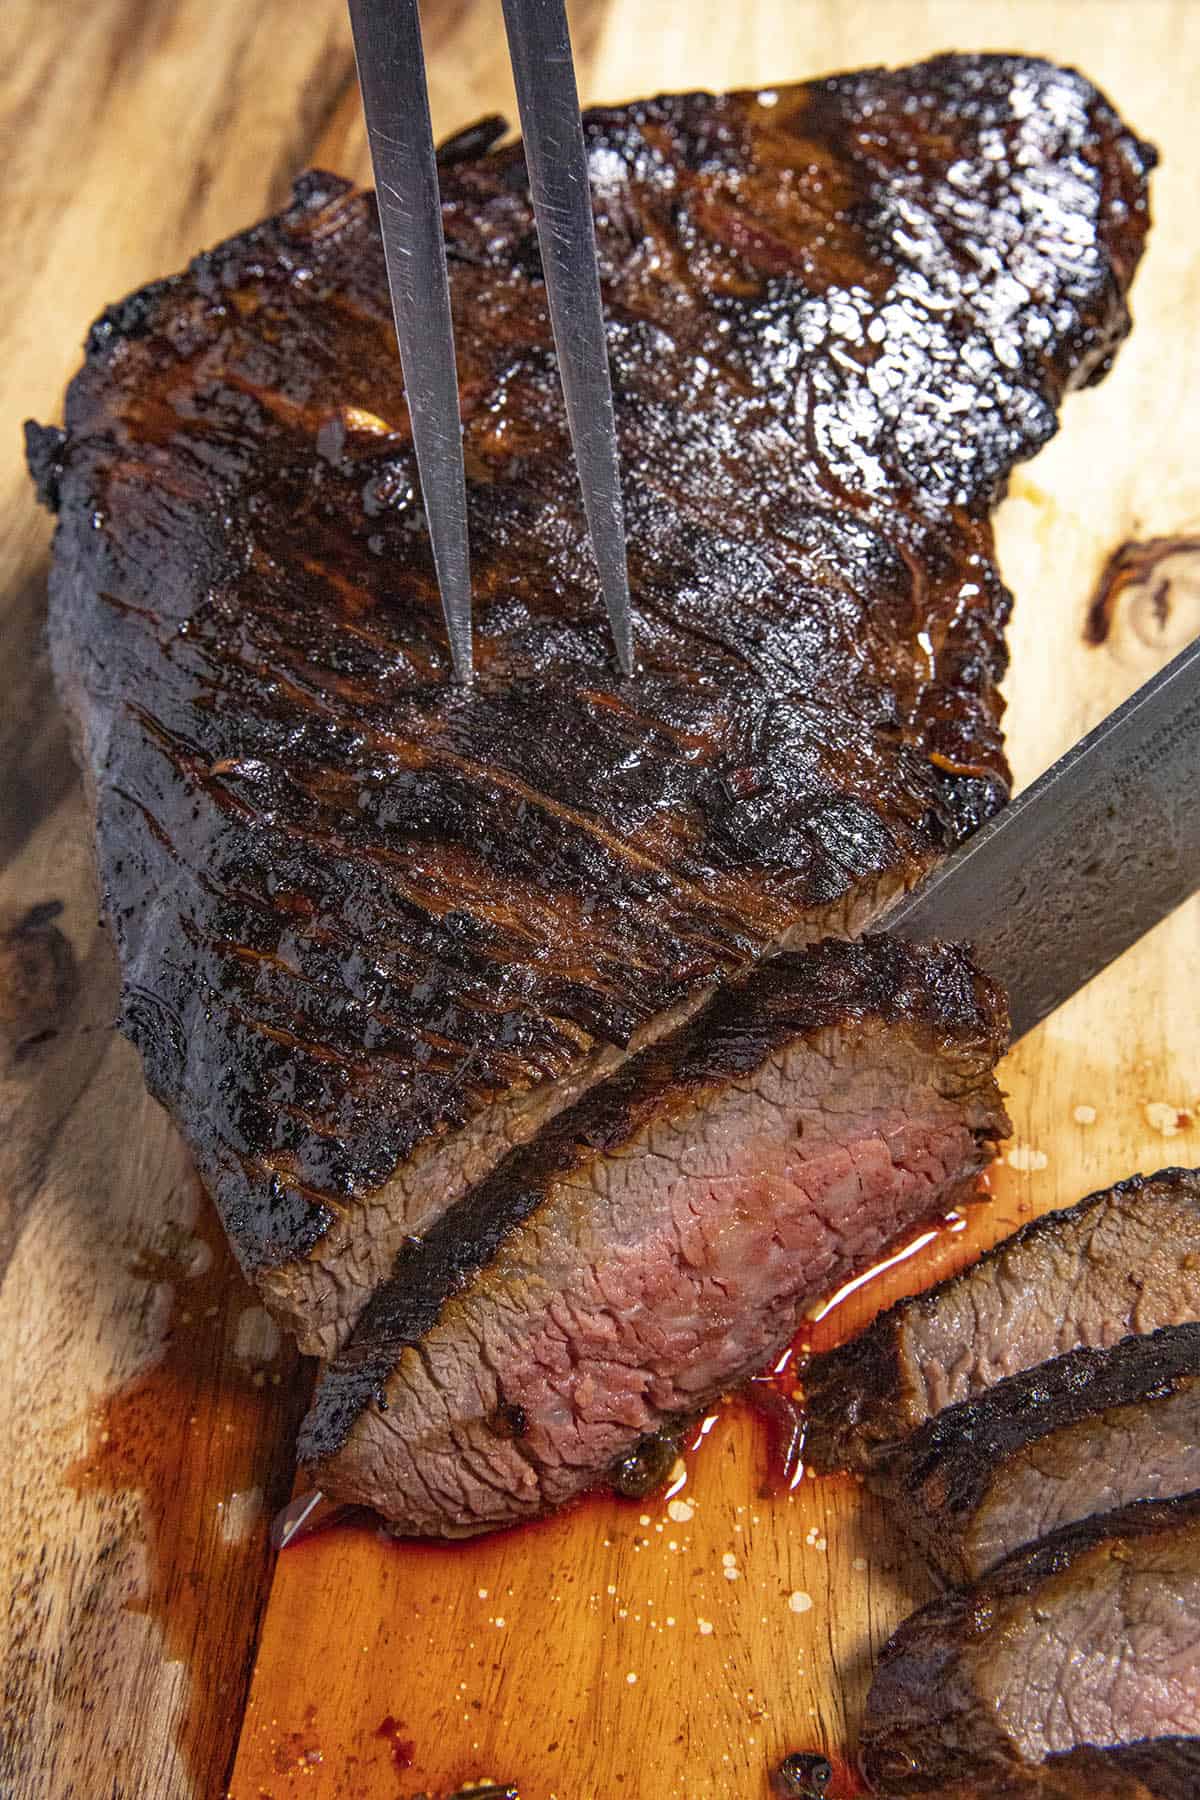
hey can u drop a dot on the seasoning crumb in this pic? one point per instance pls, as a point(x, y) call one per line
point(631, 1678)
point(1084, 1115)
point(1025, 1158)
point(705, 1627)
point(1168, 1120)
point(728, 1558)
point(731, 1574)
point(800, 1602)
point(859, 1564)
point(499, 1624)
point(680, 1511)
point(483, 1593)
point(670, 1619)
point(645, 1519)
point(611, 1589)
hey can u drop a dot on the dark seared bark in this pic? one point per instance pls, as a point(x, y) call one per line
point(974, 1693)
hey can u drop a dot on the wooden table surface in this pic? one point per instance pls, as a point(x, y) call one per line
point(149, 1647)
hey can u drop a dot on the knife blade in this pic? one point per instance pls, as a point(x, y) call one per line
point(548, 100)
point(391, 76)
point(1082, 863)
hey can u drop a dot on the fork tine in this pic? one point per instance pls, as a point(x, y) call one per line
point(391, 75)
point(540, 48)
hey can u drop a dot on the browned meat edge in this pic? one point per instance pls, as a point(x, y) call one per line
point(931, 1725)
point(931, 994)
point(1153, 1769)
point(1086, 1419)
point(1132, 1250)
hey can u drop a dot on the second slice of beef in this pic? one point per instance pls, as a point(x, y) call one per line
point(1070, 1672)
point(1124, 1260)
point(1082, 1434)
point(661, 1240)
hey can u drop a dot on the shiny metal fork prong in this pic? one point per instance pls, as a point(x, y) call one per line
point(555, 154)
point(391, 71)
point(391, 75)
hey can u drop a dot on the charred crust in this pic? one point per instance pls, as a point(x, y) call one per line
point(855, 1395)
point(1165, 1768)
point(131, 318)
point(316, 189)
point(647, 1466)
point(45, 455)
point(927, 1730)
point(943, 1473)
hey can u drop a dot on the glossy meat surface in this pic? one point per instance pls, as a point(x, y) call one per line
point(361, 912)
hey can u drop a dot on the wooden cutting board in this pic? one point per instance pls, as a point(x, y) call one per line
point(672, 1649)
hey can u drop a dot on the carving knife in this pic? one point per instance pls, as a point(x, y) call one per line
point(1082, 863)
point(391, 74)
point(1097, 851)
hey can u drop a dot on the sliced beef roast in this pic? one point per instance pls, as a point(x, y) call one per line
point(1082, 1434)
point(658, 1242)
point(375, 928)
point(1089, 1640)
point(1124, 1260)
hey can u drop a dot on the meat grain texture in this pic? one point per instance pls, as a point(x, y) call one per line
point(1125, 1260)
point(1070, 1673)
point(658, 1242)
point(375, 929)
point(1082, 1434)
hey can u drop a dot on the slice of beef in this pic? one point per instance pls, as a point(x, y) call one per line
point(658, 1242)
point(1090, 1639)
point(374, 928)
point(1126, 1259)
point(1083, 1434)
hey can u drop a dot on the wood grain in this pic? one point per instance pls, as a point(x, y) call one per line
point(136, 132)
point(134, 1562)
